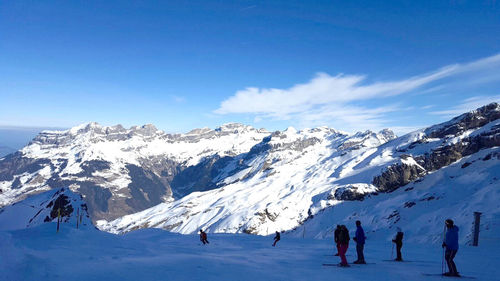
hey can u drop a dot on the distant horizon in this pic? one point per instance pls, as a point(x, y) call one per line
point(56, 128)
point(16, 137)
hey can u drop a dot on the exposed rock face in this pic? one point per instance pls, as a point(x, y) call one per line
point(401, 174)
point(353, 192)
point(61, 206)
point(14, 164)
point(398, 175)
point(471, 120)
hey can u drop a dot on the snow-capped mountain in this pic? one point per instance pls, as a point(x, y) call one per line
point(120, 171)
point(283, 184)
point(239, 179)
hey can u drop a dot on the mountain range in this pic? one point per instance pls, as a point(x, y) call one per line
point(239, 179)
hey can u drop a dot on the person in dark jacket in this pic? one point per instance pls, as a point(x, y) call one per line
point(336, 238)
point(203, 237)
point(451, 244)
point(360, 243)
point(344, 244)
point(277, 238)
point(398, 240)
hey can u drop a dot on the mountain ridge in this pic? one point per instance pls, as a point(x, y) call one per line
point(234, 178)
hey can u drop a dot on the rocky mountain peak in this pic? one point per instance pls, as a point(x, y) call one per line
point(387, 134)
point(85, 128)
point(234, 128)
point(199, 131)
point(147, 130)
point(467, 121)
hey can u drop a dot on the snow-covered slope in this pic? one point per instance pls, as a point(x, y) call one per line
point(291, 176)
point(152, 254)
point(45, 208)
point(273, 186)
point(469, 185)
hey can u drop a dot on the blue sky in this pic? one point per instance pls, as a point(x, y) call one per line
point(351, 65)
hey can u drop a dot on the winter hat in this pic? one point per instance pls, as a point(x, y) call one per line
point(398, 229)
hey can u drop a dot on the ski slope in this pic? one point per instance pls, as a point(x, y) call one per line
point(38, 253)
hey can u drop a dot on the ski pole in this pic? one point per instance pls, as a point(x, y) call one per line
point(442, 257)
point(392, 251)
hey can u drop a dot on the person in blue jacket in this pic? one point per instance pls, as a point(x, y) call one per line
point(451, 244)
point(360, 243)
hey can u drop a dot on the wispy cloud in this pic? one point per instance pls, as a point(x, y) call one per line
point(467, 105)
point(427, 106)
point(248, 8)
point(330, 99)
point(178, 99)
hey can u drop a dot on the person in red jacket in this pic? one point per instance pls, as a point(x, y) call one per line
point(344, 244)
point(203, 237)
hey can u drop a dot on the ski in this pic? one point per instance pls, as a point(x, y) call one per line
point(441, 275)
point(335, 264)
point(355, 264)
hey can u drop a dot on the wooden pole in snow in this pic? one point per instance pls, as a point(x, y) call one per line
point(477, 223)
point(58, 218)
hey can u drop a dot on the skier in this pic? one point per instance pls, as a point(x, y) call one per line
point(451, 244)
point(336, 238)
point(360, 243)
point(203, 237)
point(344, 244)
point(398, 240)
point(277, 238)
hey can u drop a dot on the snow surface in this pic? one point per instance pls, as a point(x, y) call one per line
point(152, 254)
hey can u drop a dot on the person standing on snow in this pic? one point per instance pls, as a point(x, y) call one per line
point(398, 240)
point(203, 237)
point(360, 243)
point(277, 238)
point(344, 244)
point(451, 244)
point(336, 238)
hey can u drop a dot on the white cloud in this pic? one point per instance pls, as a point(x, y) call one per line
point(467, 105)
point(327, 99)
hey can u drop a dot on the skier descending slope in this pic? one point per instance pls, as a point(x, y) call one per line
point(451, 244)
point(360, 243)
point(203, 237)
point(276, 238)
point(398, 240)
point(344, 244)
point(336, 238)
